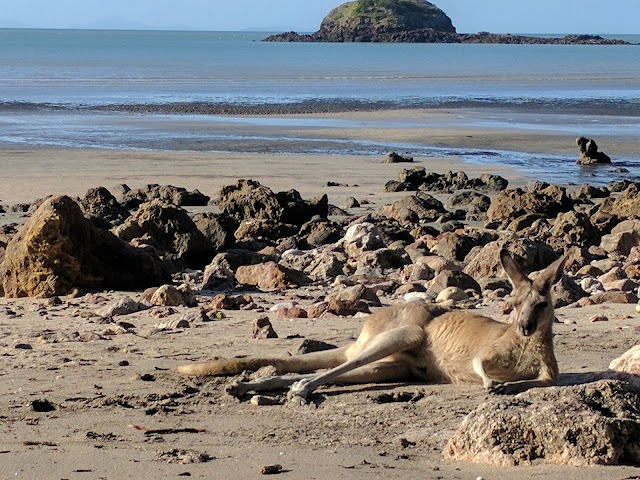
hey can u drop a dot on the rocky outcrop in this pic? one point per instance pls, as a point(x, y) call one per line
point(589, 154)
point(247, 199)
point(172, 230)
point(540, 425)
point(411, 21)
point(59, 249)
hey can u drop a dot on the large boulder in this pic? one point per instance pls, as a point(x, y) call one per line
point(173, 230)
point(102, 208)
point(589, 153)
point(626, 206)
point(414, 209)
point(248, 199)
point(59, 249)
point(511, 204)
point(591, 424)
point(179, 196)
point(531, 255)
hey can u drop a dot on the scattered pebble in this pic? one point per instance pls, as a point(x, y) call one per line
point(271, 469)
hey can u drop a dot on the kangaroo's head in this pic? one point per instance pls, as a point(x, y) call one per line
point(532, 298)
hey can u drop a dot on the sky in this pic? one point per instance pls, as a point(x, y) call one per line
point(498, 16)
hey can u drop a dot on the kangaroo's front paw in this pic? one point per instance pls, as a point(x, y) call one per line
point(299, 391)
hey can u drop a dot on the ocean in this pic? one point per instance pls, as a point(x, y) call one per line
point(162, 90)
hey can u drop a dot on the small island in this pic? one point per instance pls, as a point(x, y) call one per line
point(413, 21)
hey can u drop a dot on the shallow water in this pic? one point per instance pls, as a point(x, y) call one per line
point(140, 90)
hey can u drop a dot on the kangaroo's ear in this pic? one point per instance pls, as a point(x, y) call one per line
point(514, 272)
point(552, 274)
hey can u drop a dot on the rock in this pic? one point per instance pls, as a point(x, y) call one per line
point(123, 306)
point(362, 237)
point(453, 294)
point(58, 249)
point(217, 277)
point(469, 200)
point(171, 296)
point(351, 300)
point(316, 310)
point(448, 278)
point(619, 245)
point(368, 20)
point(625, 206)
point(589, 153)
point(485, 262)
point(262, 328)
point(247, 199)
point(350, 202)
point(264, 229)
point(540, 425)
point(173, 230)
point(628, 362)
point(590, 191)
point(566, 291)
point(291, 312)
point(309, 345)
point(177, 196)
point(421, 207)
point(318, 264)
point(393, 157)
point(101, 206)
point(457, 245)
point(218, 228)
point(319, 232)
point(574, 228)
point(608, 297)
point(511, 204)
point(225, 301)
point(269, 276)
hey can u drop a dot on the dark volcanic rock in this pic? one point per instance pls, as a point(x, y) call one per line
point(589, 153)
point(58, 249)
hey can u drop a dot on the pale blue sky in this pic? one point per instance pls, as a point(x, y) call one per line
point(500, 16)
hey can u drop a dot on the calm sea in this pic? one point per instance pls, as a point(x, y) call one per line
point(127, 89)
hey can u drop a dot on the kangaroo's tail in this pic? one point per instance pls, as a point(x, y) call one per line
point(306, 363)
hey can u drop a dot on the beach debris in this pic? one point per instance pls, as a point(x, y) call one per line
point(77, 255)
point(166, 431)
point(42, 405)
point(262, 328)
point(271, 469)
point(183, 456)
point(539, 425)
point(264, 400)
point(589, 154)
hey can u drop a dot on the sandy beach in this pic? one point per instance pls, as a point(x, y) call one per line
point(103, 380)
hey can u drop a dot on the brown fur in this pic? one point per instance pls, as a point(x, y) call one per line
point(425, 341)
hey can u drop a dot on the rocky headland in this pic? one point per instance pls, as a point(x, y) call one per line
point(413, 21)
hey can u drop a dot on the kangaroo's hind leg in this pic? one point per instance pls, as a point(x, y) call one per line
point(376, 372)
point(382, 345)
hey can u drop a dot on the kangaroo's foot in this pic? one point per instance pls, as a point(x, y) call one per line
point(300, 390)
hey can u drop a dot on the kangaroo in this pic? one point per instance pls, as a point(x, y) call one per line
point(426, 342)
